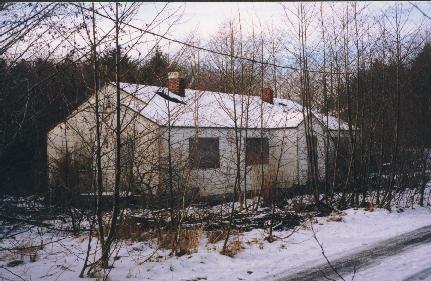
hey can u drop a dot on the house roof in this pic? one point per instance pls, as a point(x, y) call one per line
point(214, 109)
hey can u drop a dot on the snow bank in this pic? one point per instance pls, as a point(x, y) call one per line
point(259, 260)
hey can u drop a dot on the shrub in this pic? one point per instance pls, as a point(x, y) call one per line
point(71, 174)
point(129, 229)
point(233, 248)
point(370, 207)
point(25, 251)
point(188, 240)
point(217, 235)
point(337, 217)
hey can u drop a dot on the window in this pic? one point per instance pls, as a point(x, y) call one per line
point(257, 151)
point(204, 153)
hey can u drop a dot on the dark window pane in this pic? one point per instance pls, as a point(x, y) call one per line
point(257, 151)
point(204, 153)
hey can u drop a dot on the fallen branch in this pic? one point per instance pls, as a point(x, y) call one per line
point(323, 253)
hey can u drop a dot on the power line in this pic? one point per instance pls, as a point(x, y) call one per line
point(207, 49)
point(420, 10)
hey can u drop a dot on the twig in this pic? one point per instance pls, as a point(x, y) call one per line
point(32, 247)
point(420, 10)
point(295, 229)
point(354, 272)
point(14, 274)
point(87, 255)
point(150, 256)
point(323, 253)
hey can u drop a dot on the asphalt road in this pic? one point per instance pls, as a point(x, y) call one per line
point(347, 265)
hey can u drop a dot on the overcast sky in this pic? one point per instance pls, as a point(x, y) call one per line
point(203, 19)
point(207, 16)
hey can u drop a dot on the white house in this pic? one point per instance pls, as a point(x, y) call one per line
point(199, 141)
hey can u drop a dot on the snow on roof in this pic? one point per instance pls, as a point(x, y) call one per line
point(214, 109)
point(331, 122)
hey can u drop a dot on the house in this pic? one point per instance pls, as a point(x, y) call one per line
point(195, 141)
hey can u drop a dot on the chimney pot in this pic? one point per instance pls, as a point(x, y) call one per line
point(173, 75)
point(267, 95)
point(176, 83)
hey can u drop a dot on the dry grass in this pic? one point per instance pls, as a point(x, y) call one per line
point(188, 240)
point(102, 276)
point(233, 248)
point(370, 207)
point(128, 229)
point(7, 256)
point(256, 241)
point(270, 239)
point(217, 235)
point(28, 251)
point(24, 251)
point(337, 217)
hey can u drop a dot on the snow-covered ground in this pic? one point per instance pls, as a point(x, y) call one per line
point(260, 260)
point(411, 265)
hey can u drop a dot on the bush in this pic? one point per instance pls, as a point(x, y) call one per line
point(188, 240)
point(129, 229)
point(217, 235)
point(233, 248)
point(70, 175)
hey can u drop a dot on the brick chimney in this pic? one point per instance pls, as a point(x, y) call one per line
point(267, 95)
point(176, 84)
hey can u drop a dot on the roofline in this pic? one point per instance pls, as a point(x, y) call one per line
point(75, 111)
point(192, 127)
point(71, 114)
point(344, 130)
point(207, 127)
point(324, 125)
point(224, 127)
point(110, 83)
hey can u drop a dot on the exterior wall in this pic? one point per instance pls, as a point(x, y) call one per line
point(288, 162)
point(73, 136)
point(211, 181)
point(145, 145)
point(320, 133)
point(77, 136)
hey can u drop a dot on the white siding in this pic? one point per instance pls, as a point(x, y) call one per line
point(77, 135)
point(283, 161)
